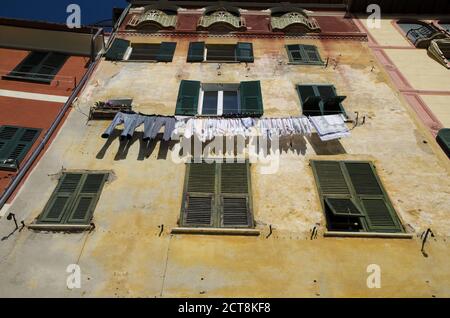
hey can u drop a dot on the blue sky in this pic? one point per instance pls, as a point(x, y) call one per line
point(55, 10)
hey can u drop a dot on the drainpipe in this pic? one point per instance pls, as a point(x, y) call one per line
point(24, 169)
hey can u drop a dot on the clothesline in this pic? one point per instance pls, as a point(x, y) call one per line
point(207, 128)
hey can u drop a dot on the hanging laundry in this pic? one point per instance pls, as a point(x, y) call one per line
point(152, 125)
point(330, 127)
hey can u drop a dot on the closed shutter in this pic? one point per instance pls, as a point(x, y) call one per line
point(61, 199)
point(117, 50)
point(87, 198)
point(187, 101)
point(15, 142)
point(196, 52)
point(251, 98)
point(234, 195)
point(51, 66)
point(74, 199)
point(244, 52)
point(380, 214)
point(199, 201)
point(39, 66)
point(166, 51)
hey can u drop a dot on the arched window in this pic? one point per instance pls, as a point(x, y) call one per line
point(153, 19)
point(292, 20)
point(419, 33)
point(221, 19)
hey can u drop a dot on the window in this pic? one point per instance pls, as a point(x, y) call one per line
point(195, 98)
point(419, 33)
point(319, 100)
point(74, 199)
point(38, 67)
point(219, 99)
point(353, 198)
point(217, 195)
point(15, 142)
point(303, 54)
point(125, 50)
point(240, 52)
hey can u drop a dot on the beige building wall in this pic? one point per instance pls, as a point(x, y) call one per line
point(128, 254)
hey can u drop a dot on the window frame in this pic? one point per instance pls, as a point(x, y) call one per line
point(305, 60)
point(217, 198)
point(220, 93)
point(356, 198)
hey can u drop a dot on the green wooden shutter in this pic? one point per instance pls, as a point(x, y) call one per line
point(196, 52)
point(50, 66)
point(443, 139)
point(343, 207)
point(310, 100)
point(251, 98)
point(117, 50)
point(380, 214)
point(15, 142)
point(166, 51)
point(244, 52)
point(199, 199)
point(294, 53)
point(234, 195)
point(330, 178)
point(7, 134)
point(86, 200)
point(62, 198)
point(187, 101)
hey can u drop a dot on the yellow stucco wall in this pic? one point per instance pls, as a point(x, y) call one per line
point(440, 106)
point(126, 256)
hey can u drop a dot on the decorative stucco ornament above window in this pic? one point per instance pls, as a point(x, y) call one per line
point(153, 20)
point(294, 22)
point(221, 21)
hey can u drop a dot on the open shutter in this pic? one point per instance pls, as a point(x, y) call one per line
point(244, 52)
point(330, 178)
point(343, 207)
point(380, 215)
point(59, 204)
point(166, 51)
point(86, 200)
point(234, 195)
point(251, 98)
point(199, 201)
point(443, 139)
point(310, 100)
point(15, 142)
point(196, 52)
point(7, 135)
point(187, 101)
point(117, 50)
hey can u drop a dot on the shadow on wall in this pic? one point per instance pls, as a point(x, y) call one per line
point(295, 144)
point(146, 147)
point(324, 148)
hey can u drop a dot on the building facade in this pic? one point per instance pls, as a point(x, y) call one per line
point(141, 219)
point(42, 66)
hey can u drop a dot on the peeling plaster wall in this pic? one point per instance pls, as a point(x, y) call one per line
point(125, 256)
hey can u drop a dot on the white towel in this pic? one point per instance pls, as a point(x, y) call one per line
point(330, 127)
